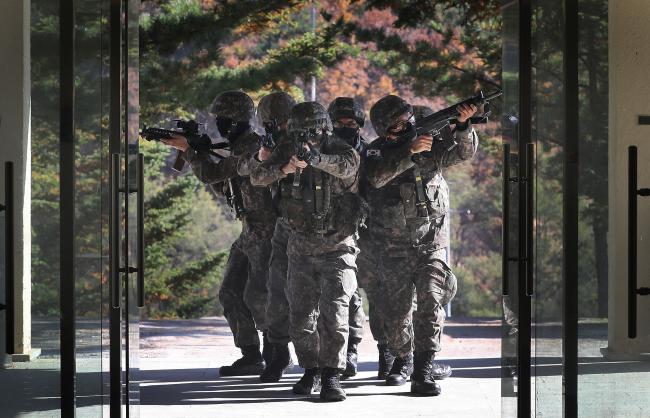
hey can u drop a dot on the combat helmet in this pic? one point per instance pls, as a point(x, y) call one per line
point(386, 111)
point(420, 111)
point(346, 107)
point(234, 105)
point(309, 116)
point(276, 107)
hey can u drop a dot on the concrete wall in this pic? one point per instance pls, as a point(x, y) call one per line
point(629, 92)
point(15, 146)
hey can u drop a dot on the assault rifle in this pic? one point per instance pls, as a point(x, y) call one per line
point(268, 139)
point(190, 130)
point(303, 154)
point(435, 123)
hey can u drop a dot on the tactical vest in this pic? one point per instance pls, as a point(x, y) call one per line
point(409, 199)
point(308, 205)
point(306, 201)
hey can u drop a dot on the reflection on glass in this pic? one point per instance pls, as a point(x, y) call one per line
point(31, 386)
point(548, 134)
point(510, 77)
point(91, 201)
point(606, 386)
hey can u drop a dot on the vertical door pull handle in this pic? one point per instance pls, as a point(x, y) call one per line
point(505, 223)
point(8, 207)
point(530, 218)
point(140, 234)
point(114, 231)
point(632, 223)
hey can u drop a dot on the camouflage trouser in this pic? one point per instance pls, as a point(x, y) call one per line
point(509, 329)
point(434, 284)
point(243, 290)
point(357, 318)
point(367, 276)
point(277, 307)
point(320, 285)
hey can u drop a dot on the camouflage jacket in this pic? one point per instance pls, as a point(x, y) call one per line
point(391, 173)
point(256, 202)
point(337, 170)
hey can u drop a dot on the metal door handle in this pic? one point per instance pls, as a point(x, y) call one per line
point(140, 235)
point(8, 207)
point(530, 217)
point(505, 223)
point(632, 290)
point(114, 231)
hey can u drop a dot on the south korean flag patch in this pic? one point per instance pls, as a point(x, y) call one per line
point(373, 153)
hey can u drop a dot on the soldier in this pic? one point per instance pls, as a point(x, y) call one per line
point(439, 371)
point(408, 218)
point(243, 290)
point(348, 118)
point(273, 112)
point(323, 210)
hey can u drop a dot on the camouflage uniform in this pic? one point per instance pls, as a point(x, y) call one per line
point(243, 291)
point(347, 107)
point(322, 211)
point(275, 109)
point(411, 242)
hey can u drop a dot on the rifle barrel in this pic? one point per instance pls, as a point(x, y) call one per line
point(493, 95)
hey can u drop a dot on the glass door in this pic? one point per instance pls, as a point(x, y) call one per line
point(90, 112)
point(86, 217)
point(548, 211)
point(510, 206)
point(613, 223)
point(134, 208)
point(126, 233)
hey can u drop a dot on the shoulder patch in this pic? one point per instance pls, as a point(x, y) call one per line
point(373, 153)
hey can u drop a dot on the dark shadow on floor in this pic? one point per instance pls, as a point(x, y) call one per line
point(204, 386)
point(28, 390)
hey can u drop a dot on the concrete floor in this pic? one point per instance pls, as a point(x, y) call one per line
point(179, 370)
point(179, 363)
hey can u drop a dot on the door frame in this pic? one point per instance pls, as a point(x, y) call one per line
point(570, 212)
point(67, 207)
point(117, 72)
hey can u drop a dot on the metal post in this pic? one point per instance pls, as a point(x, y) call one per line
point(313, 28)
point(67, 208)
point(571, 212)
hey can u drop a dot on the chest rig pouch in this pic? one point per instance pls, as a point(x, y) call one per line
point(306, 201)
point(414, 199)
point(424, 206)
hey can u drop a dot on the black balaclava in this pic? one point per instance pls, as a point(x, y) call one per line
point(350, 135)
point(230, 129)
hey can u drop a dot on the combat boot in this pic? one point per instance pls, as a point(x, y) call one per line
point(351, 362)
point(251, 363)
point(440, 371)
point(267, 349)
point(331, 390)
point(308, 383)
point(401, 370)
point(279, 363)
point(386, 359)
point(422, 381)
